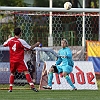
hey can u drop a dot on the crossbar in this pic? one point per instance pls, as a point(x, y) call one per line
point(50, 9)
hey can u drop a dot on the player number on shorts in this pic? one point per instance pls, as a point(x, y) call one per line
point(14, 47)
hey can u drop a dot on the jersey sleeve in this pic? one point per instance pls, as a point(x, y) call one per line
point(25, 44)
point(69, 53)
point(6, 42)
point(59, 60)
point(69, 57)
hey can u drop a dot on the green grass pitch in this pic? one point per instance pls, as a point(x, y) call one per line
point(22, 94)
point(50, 95)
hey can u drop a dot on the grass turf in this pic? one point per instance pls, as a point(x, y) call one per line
point(20, 93)
point(50, 95)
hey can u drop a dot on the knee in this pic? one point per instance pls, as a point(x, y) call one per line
point(51, 69)
point(26, 72)
point(12, 74)
point(64, 74)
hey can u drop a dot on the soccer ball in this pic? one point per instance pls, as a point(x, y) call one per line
point(67, 5)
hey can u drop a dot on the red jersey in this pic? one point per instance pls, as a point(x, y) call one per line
point(17, 47)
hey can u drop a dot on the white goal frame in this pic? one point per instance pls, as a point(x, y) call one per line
point(50, 9)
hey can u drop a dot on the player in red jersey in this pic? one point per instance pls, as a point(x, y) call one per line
point(17, 47)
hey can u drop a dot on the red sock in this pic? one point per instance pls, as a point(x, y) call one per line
point(10, 88)
point(11, 81)
point(29, 80)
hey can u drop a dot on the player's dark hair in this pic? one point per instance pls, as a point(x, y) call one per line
point(17, 31)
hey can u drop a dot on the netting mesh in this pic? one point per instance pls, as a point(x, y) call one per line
point(35, 27)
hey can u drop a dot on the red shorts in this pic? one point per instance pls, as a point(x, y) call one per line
point(19, 66)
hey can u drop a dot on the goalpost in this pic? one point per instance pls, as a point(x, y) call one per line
point(35, 22)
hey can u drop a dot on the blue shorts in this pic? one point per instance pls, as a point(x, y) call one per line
point(68, 69)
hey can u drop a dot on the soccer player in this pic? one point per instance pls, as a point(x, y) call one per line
point(17, 47)
point(64, 65)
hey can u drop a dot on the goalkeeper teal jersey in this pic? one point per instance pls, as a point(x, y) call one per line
point(65, 62)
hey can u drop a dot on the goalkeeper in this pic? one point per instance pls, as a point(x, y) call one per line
point(64, 65)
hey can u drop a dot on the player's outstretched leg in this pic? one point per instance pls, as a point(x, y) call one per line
point(28, 77)
point(70, 82)
point(50, 77)
point(11, 81)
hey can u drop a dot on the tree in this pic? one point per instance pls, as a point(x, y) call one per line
point(60, 3)
point(12, 3)
point(92, 3)
point(56, 3)
point(38, 3)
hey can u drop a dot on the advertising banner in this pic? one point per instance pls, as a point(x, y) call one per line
point(93, 54)
point(82, 76)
